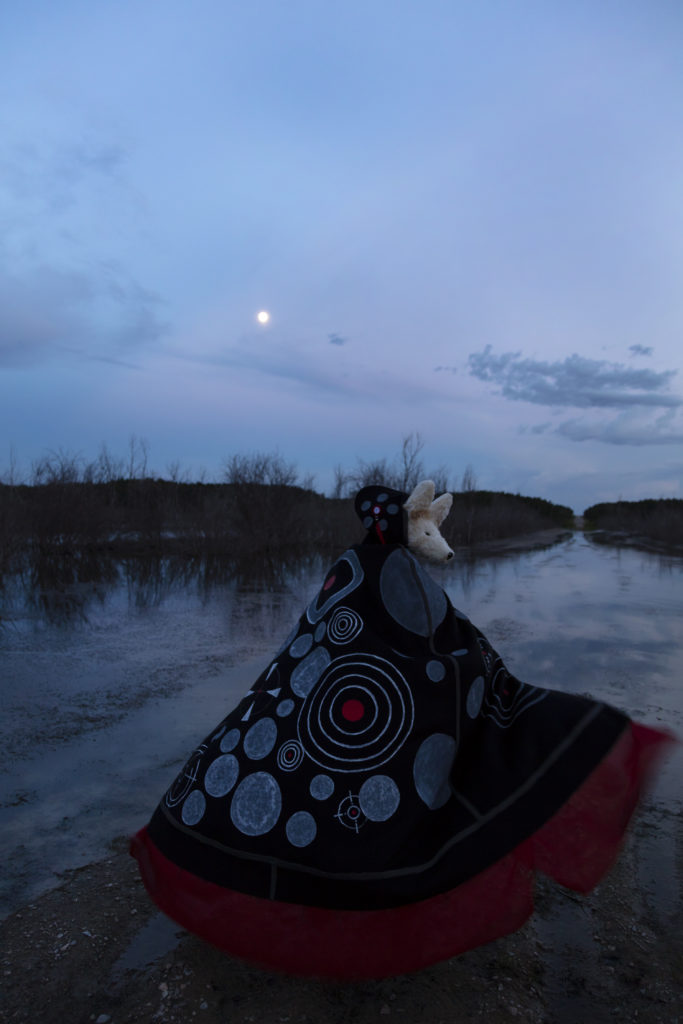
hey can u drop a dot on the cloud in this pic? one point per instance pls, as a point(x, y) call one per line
point(628, 428)
point(641, 350)
point(336, 339)
point(53, 178)
point(575, 382)
point(49, 311)
point(445, 369)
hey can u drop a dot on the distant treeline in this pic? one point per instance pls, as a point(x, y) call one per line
point(258, 514)
point(658, 519)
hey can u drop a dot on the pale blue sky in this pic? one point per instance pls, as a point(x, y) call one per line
point(466, 219)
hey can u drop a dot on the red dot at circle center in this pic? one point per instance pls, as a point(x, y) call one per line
point(353, 710)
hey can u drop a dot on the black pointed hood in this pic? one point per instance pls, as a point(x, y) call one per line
point(380, 509)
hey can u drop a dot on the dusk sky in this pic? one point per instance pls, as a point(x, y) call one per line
point(464, 218)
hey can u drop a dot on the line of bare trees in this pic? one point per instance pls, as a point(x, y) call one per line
point(261, 509)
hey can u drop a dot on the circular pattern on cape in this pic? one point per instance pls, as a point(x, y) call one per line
point(410, 595)
point(320, 631)
point(256, 805)
point(432, 769)
point(345, 625)
point(308, 672)
point(221, 775)
point(284, 708)
point(358, 716)
point(230, 741)
point(193, 808)
point(475, 696)
point(290, 755)
point(321, 787)
point(436, 671)
point(260, 739)
point(379, 797)
point(301, 829)
point(301, 645)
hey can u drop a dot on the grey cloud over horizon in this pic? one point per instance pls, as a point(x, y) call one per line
point(641, 350)
point(626, 429)
point(100, 315)
point(576, 381)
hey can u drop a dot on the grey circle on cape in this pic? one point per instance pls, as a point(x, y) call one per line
point(221, 775)
point(256, 805)
point(378, 797)
point(301, 828)
point(301, 645)
point(321, 787)
point(382, 497)
point(419, 608)
point(365, 506)
point(432, 769)
point(392, 509)
point(290, 637)
point(435, 671)
point(284, 708)
point(308, 672)
point(260, 739)
point(383, 524)
point(193, 808)
point(475, 696)
point(230, 741)
point(320, 631)
point(367, 522)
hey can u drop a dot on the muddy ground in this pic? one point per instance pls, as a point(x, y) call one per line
point(96, 950)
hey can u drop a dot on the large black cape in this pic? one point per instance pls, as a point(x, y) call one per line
point(387, 772)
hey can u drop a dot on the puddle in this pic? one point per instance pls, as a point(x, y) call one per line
point(156, 939)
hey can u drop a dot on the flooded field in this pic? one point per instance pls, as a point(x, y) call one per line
point(106, 687)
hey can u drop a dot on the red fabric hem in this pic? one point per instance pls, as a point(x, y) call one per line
point(576, 847)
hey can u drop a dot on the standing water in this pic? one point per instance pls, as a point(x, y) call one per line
point(107, 688)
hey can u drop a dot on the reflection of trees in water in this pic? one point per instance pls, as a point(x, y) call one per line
point(64, 587)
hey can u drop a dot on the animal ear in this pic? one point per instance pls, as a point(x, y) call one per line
point(421, 498)
point(440, 508)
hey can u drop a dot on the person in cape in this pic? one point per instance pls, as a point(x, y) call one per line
point(381, 797)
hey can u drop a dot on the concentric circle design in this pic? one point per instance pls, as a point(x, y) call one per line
point(357, 716)
point(345, 625)
point(290, 755)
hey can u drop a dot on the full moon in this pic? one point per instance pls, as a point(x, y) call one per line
point(263, 317)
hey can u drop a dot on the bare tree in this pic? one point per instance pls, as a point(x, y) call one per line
point(57, 467)
point(469, 479)
point(11, 476)
point(440, 478)
point(138, 451)
point(410, 469)
point(259, 468)
point(341, 482)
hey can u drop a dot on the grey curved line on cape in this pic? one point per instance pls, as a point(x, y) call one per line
point(413, 869)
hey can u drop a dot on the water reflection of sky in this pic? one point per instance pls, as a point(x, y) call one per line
point(103, 700)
